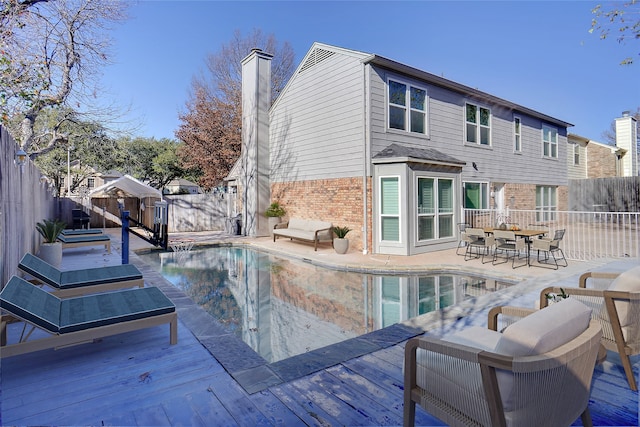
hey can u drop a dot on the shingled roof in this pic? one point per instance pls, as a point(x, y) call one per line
point(419, 155)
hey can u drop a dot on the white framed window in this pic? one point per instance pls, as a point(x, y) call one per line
point(478, 125)
point(476, 195)
point(390, 209)
point(91, 182)
point(407, 107)
point(549, 142)
point(576, 154)
point(434, 208)
point(517, 134)
point(546, 203)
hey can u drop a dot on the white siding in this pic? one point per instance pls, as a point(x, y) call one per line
point(446, 122)
point(317, 128)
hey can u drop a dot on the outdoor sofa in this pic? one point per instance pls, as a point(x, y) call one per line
point(304, 229)
point(80, 282)
point(79, 320)
point(81, 232)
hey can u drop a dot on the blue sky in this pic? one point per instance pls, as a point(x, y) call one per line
point(539, 54)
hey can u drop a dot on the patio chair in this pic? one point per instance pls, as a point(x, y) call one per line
point(616, 307)
point(510, 245)
point(80, 282)
point(80, 218)
point(536, 372)
point(550, 247)
point(478, 242)
point(464, 238)
point(79, 320)
point(85, 240)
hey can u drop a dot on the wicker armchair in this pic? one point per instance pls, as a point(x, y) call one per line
point(468, 379)
point(615, 303)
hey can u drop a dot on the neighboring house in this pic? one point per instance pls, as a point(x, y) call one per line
point(590, 159)
point(391, 151)
point(181, 186)
point(94, 180)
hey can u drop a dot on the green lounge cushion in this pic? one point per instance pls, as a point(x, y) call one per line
point(31, 303)
point(81, 232)
point(40, 269)
point(113, 307)
point(50, 275)
point(81, 239)
point(39, 307)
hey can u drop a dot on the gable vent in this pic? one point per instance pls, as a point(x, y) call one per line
point(318, 55)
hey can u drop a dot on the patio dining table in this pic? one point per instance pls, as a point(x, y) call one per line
point(527, 234)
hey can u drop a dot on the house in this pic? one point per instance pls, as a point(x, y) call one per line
point(591, 159)
point(181, 186)
point(391, 151)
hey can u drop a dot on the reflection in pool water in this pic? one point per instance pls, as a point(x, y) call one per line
point(283, 307)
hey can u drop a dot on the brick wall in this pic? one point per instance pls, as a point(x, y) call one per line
point(525, 196)
point(337, 200)
point(601, 162)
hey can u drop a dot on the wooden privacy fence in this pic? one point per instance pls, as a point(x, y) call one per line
point(589, 234)
point(605, 194)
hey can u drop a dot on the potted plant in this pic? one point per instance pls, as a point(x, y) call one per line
point(340, 242)
point(51, 249)
point(274, 213)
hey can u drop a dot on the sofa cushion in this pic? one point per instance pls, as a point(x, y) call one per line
point(628, 281)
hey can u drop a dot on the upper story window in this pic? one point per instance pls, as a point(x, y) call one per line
point(549, 142)
point(407, 107)
point(517, 134)
point(576, 154)
point(478, 129)
point(91, 182)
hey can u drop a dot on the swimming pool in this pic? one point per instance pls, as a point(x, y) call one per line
point(283, 307)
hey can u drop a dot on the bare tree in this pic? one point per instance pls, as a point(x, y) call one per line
point(211, 127)
point(624, 21)
point(53, 53)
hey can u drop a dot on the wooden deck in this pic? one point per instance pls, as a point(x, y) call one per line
point(138, 379)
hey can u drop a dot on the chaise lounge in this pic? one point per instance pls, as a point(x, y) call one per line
point(82, 319)
point(86, 240)
point(80, 282)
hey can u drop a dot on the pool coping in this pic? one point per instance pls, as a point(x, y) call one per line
point(254, 374)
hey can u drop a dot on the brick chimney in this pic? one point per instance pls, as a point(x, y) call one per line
point(256, 100)
point(627, 138)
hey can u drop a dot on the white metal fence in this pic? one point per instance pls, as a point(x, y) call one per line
point(589, 235)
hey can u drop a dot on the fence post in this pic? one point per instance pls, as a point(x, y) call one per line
point(125, 237)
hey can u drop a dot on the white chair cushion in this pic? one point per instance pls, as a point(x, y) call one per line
point(629, 281)
point(545, 329)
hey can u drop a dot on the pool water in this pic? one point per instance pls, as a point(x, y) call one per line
point(283, 307)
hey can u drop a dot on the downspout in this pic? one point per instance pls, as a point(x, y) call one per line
point(365, 125)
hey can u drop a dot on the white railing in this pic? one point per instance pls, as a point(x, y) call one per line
point(589, 235)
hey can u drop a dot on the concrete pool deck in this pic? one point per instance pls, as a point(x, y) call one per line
point(235, 387)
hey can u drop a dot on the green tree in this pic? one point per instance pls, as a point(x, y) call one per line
point(624, 22)
point(88, 146)
point(150, 160)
